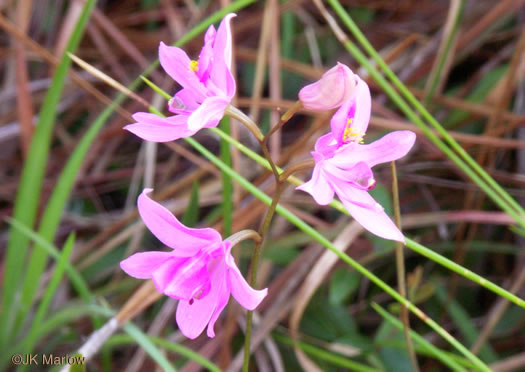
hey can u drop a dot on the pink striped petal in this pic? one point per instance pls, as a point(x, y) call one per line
point(184, 240)
point(190, 278)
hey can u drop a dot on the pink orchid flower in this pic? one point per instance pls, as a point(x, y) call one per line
point(207, 88)
point(200, 270)
point(335, 87)
point(343, 164)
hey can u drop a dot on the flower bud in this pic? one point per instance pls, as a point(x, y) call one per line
point(335, 86)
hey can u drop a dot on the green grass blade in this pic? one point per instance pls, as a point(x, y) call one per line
point(451, 265)
point(148, 346)
point(28, 195)
point(77, 280)
point(421, 341)
point(176, 348)
point(49, 293)
point(60, 195)
point(227, 184)
point(443, 56)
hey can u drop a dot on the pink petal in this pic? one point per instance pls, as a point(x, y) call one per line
point(363, 106)
point(335, 86)
point(391, 147)
point(222, 301)
point(142, 265)
point(339, 122)
point(359, 176)
point(318, 186)
point(165, 226)
point(245, 295)
point(184, 102)
point(206, 55)
point(326, 145)
point(208, 114)
point(190, 278)
point(374, 219)
point(165, 273)
point(192, 316)
point(223, 41)
point(350, 122)
point(151, 127)
point(176, 63)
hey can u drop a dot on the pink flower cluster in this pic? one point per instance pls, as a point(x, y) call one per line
point(200, 271)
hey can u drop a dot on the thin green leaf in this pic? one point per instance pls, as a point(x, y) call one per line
point(49, 293)
point(162, 342)
point(143, 340)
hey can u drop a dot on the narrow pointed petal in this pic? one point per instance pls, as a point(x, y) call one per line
point(151, 127)
point(318, 187)
point(142, 265)
point(164, 225)
point(375, 219)
point(176, 63)
point(335, 87)
point(391, 147)
point(208, 114)
point(245, 295)
point(193, 316)
point(223, 41)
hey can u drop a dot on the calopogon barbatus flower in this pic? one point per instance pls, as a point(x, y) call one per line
point(207, 88)
point(335, 87)
point(343, 164)
point(199, 271)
